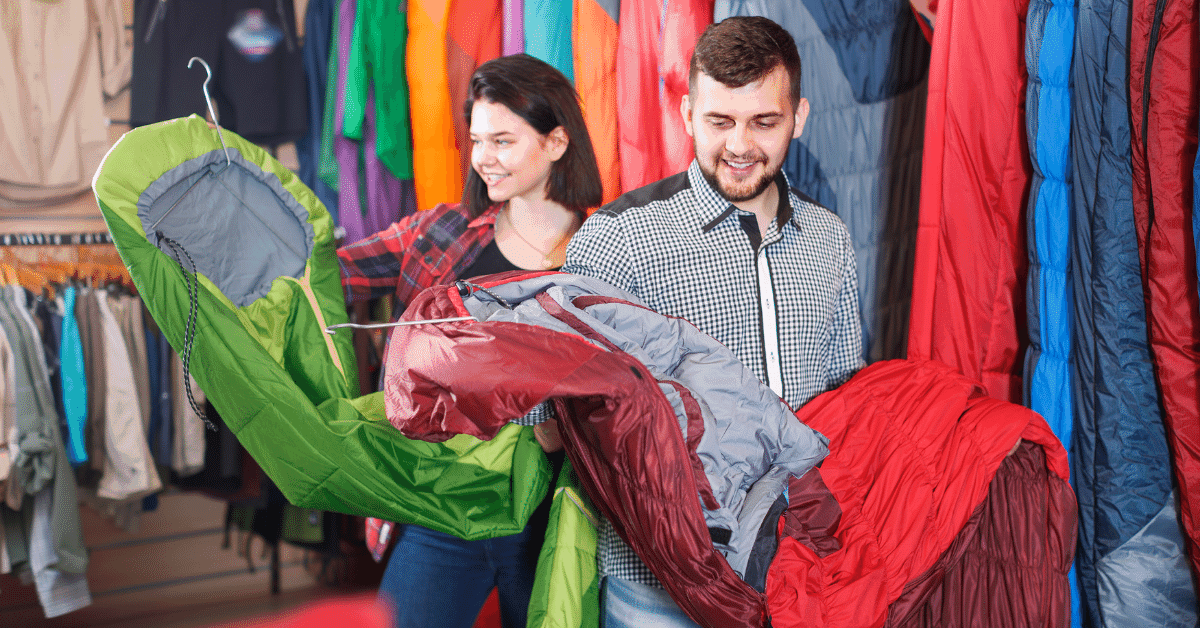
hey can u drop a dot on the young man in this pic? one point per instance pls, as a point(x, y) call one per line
point(730, 247)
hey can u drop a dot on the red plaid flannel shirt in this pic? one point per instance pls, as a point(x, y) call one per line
point(426, 249)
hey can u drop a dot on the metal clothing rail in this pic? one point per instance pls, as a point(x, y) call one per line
point(52, 239)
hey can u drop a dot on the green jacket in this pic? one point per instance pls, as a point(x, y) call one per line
point(377, 57)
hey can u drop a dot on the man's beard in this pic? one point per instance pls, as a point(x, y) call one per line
point(746, 193)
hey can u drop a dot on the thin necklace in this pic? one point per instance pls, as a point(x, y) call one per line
point(546, 261)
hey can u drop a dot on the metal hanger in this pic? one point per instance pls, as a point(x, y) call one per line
point(212, 112)
point(464, 288)
point(332, 329)
point(208, 100)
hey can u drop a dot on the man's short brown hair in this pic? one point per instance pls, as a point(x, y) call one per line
point(741, 50)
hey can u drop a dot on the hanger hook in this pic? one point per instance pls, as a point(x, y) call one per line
point(208, 101)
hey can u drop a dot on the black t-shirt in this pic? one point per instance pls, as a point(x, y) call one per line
point(490, 262)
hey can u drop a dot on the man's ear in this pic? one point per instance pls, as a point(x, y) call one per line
point(685, 110)
point(557, 142)
point(801, 117)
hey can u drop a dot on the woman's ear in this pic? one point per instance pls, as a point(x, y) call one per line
point(557, 142)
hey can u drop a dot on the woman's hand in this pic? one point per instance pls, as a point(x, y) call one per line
point(547, 436)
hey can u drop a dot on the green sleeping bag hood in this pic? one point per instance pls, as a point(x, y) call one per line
point(264, 287)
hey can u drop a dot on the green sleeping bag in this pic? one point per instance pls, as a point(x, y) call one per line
point(234, 258)
point(265, 286)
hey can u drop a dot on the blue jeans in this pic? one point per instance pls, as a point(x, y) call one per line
point(435, 579)
point(625, 604)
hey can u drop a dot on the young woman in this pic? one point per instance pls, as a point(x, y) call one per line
point(533, 176)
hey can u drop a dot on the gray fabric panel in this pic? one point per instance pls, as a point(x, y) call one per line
point(1147, 581)
point(722, 517)
point(752, 441)
point(612, 8)
point(755, 507)
point(202, 203)
point(517, 291)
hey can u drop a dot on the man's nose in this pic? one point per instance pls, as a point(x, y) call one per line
point(738, 141)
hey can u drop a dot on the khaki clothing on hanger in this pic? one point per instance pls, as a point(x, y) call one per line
point(128, 312)
point(129, 471)
point(60, 59)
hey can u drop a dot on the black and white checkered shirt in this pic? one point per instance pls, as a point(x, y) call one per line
point(786, 306)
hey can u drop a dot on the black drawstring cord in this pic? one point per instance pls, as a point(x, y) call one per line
point(189, 330)
point(466, 288)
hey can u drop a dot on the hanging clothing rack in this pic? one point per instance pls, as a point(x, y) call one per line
point(51, 239)
point(39, 260)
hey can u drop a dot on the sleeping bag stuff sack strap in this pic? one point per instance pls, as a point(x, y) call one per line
point(234, 258)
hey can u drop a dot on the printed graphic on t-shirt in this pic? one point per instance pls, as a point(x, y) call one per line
point(254, 36)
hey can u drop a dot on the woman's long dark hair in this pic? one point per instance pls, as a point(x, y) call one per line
point(544, 98)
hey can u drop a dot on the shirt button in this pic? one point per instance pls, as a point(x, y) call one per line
point(428, 259)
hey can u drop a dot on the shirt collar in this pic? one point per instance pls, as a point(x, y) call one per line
point(488, 217)
point(712, 208)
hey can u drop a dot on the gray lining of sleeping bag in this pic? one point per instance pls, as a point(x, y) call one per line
point(530, 312)
point(1146, 580)
point(200, 205)
point(753, 547)
point(752, 442)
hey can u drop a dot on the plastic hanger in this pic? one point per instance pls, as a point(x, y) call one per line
point(8, 274)
point(31, 280)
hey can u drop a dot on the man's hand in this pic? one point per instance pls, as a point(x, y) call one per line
point(547, 436)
